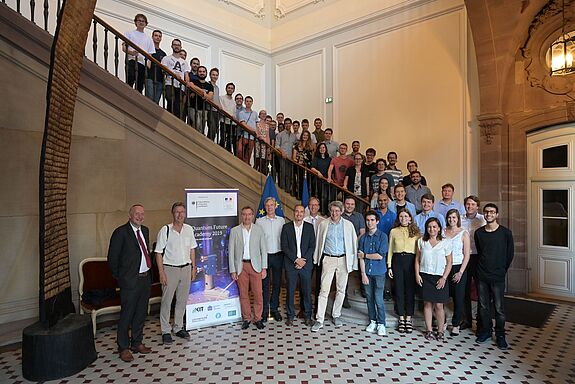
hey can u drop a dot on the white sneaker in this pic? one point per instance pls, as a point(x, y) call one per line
point(381, 330)
point(317, 326)
point(371, 327)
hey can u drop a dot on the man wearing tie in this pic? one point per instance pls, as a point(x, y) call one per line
point(298, 245)
point(248, 265)
point(130, 264)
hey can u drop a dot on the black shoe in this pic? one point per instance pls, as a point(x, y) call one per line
point(183, 334)
point(259, 324)
point(482, 339)
point(464, 325)
point(308, 322)
point(502, 343)
point(277, 316)
point(245, 325)
point(346, 303)
point(387, 295)
point(167, 338)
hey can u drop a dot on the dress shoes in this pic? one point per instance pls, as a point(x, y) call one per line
point(308, 322)
point(141, 348)
point(260, 324)
point(464, 325)
point(277, 316)
point(245, 325)
point(126, 356)
point(289, 322)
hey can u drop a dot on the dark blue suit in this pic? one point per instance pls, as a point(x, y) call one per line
point(289, 248)
point(124, 258)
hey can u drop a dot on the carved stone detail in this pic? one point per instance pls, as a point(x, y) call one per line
point(490, 126)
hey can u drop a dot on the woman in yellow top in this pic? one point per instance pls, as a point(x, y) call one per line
point(401, 266)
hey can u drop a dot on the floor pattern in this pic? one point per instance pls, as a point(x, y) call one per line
point(281, 354)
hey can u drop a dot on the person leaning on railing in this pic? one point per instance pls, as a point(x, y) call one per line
point(262, 150)
point(302, 153)
point(178, 66)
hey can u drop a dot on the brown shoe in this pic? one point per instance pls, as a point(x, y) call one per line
point(289, 322)
point(308, 322)
point(126, 356)
point(141, 348)
point(300, 315)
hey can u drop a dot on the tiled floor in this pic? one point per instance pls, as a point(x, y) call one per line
point(225, 354)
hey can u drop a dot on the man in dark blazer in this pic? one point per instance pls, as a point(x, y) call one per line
point(298, 262)
point(130, 263)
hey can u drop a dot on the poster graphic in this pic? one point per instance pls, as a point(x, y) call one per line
point(214, 296)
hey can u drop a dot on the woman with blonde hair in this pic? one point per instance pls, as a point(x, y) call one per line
point(302, 153)
point(401, 267)
point(460, 250)
point(262, 150)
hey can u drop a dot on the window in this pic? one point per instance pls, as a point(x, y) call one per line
point(555, 218)
point(555, 157)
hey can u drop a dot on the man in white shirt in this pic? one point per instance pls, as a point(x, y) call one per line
point(136, 65)
point(176, 259)
point(471, 221)
point(229, 105)
point(298, 245)
point(248, 265)
point(272, 226)
point(178, 66)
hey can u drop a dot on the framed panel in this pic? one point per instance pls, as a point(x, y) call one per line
point(555, 273)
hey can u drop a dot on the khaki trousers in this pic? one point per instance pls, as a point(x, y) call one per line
point(332, 266)
point(178, 283)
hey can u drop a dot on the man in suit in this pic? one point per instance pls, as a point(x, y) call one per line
point(248, 265)
point(130, 264)
point(298, 244)
point(336, 250)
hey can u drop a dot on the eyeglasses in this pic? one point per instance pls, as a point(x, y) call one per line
point(489, 212)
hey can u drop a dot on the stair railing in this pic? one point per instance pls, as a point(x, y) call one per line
point(104, 48)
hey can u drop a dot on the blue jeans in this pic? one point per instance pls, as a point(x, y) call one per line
point(374, 296)
point(487, 291)
point(154, 89)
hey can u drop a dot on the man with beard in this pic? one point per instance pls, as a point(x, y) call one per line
point(176, 64)
point(415, 190)
point(197, 109)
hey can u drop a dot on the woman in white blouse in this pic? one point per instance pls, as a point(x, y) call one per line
point(460, 250)
point(432, 266)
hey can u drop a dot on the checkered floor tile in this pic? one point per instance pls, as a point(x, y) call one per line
point(281, 354)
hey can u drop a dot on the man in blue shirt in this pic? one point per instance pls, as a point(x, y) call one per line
point(427, 213)
point(447, 202)
point(372, 250)
point(386, 217)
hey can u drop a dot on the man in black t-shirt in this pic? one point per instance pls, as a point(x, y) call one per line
point(198, 109)
point(495, 251)
point(155, 78)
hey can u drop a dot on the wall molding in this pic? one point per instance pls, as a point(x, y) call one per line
point(256, 8)
point(18, 309)
point(178, 19)
point(283, 7)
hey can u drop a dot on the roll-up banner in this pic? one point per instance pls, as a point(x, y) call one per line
point(214, 296)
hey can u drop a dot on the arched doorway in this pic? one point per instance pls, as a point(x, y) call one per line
point(551, 213)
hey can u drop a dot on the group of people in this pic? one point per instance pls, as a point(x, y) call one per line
point(442, 246)
point(444, 255)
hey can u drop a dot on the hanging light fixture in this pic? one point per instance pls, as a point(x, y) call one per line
point(561, 52)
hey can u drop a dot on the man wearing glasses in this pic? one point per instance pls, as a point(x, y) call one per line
point(135, 63)
point(495, 248)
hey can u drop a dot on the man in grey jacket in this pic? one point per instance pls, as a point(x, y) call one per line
point(248, 264)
